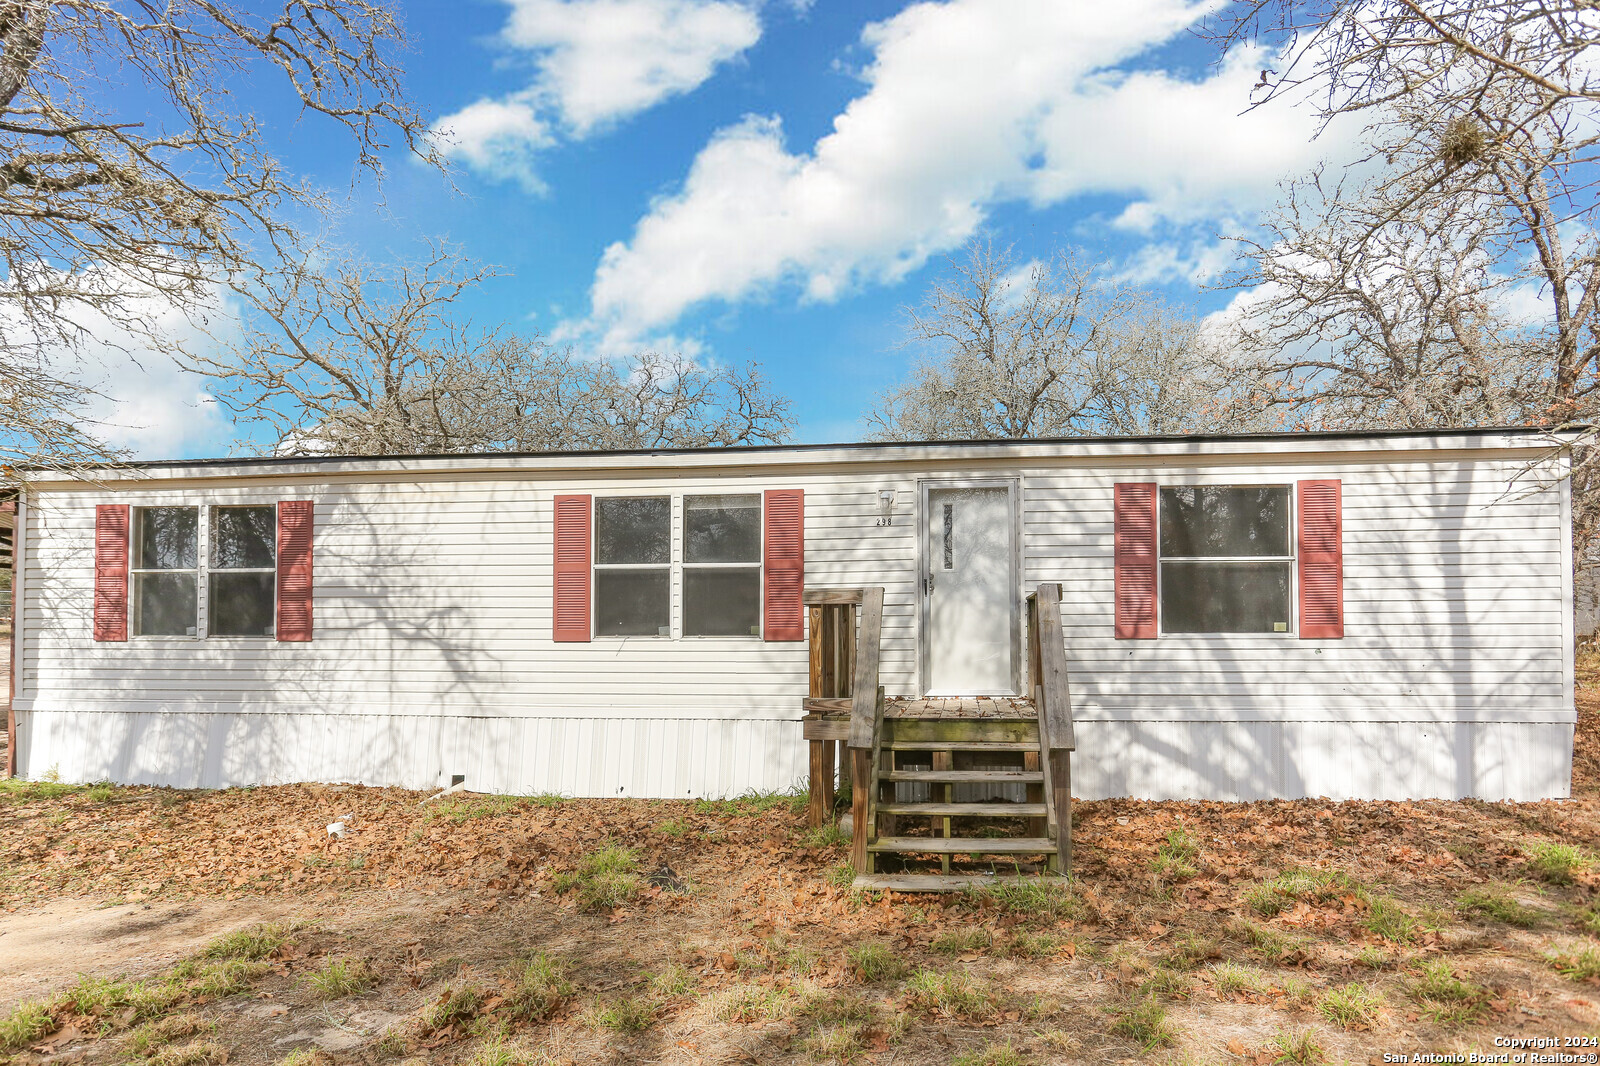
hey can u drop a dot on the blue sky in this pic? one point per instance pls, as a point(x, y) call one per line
point(774, 181)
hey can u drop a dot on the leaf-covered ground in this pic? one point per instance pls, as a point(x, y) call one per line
point(496, 931)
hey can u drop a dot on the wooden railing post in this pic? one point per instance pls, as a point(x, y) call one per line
point(1047, 661)
point(866, 715)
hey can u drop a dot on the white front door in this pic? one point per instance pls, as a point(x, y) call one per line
point(969, 585)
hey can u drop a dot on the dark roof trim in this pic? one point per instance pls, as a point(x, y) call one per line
point(867, 446)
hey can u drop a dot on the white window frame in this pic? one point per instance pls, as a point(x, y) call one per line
point(595, 566)
point(759, 566)
point(202, 572)
point(1292, 626)
point(676, 566)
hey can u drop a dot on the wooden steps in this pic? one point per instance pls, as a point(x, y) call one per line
point(966, 810)
point(967, 777)
point(965, 845)
point(936, 882)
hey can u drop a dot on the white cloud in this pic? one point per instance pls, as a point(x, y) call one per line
point(969, 103)
point(596, 62)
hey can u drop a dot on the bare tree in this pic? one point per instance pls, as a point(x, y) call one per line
point(1051, 349)
point(362, 361)
point(133, 179)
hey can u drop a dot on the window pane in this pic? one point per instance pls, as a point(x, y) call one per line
point(164, 605)
point(243, 537)
point(1204, 597)
point(722, 603)
point(722, 529)
point(166, 538)
point(1198, 520)
point(631, 603)
point(633, 530)
point(241, 605)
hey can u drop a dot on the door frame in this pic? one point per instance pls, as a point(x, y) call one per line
point(1013, 487)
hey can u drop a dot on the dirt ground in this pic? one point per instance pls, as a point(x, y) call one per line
point(497, 931)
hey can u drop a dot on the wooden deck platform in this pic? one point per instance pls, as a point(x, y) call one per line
point(829, 719)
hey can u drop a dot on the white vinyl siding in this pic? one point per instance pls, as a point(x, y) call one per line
point(432, 598)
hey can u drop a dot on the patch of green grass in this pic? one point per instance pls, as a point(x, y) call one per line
point(157, 1034)
point(1174, 859)
point(622, 1014)
point(1301, 1048)
point(1271, 943)
point(604, 879)
point(226, 978)
point(876, 962)
point(1387, 919)
point(1588, 918)
point(836, 1008)
point(956, 994)
point(542, 985)
point(1191, 949)
point(755, 1003)
point(990, 1055)
point(100, 792)
point(253, 942)
point(835, 1043)
point(1038, 898)
point(547, 799)
point(97, 996)
point(1230, 979)
point(794, 800)
point(339, 978)
point(1165, 981)
point(17, 790)
point(1145, 1023)
point(1026, 945)
point(1319, 886)
point(825, 836)
point(1496, 905)
point(304, 1056)
point(675, 827)
point(1555, 862)
point(1578, 964)
point(469, 807)
point(675, 980)
point(1353, 1006)
point(455, 1006)
point(963, 941)
point(196, 1053)
point(1446, 998)
point(842, 875)
point(500, 1052)
point(27, 1023)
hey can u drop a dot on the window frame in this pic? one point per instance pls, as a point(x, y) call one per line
point(202, 571)
point(1292, 628)
point(676, 566)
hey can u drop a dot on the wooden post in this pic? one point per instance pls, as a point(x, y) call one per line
point(1061, 797)
point(1037, 827)
point(827, 781)
point(944, 760)
point(860, 803)
point(817, 808)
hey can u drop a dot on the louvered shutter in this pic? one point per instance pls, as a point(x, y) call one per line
point(784, 564)
point(296, 520)
point(1321, 557)
point(570, 596)
point(111, 571)
point(1135, 551)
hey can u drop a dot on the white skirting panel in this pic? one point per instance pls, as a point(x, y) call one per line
point(655, 758)
point(667, 758)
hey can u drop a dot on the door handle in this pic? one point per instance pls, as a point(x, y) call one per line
point(930, 582)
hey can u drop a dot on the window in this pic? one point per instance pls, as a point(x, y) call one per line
point(166, 560)
point(1226, 559)
point(237, 569)
point(241, 587)
point(633, 566)
point(721, 566)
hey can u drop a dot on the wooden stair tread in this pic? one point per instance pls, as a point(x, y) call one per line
point(985, 810)
point(965, 845)
point(937, 882)
point(960, 745)
point(964, 776)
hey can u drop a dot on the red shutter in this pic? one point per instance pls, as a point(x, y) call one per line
point(570, 611)
point(111, 571)
point(1321, 555)
point(784, 567)
point(1135, 550)
point(295, 522)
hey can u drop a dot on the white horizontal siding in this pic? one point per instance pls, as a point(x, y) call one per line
point(432, 612)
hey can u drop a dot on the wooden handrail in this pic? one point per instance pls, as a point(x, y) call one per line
point(1047, 670)
point(844, 677)
point(864, 685)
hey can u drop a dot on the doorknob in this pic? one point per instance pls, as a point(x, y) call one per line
point(930, 582)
